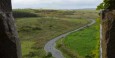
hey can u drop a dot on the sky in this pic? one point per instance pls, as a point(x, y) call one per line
point(55, 4)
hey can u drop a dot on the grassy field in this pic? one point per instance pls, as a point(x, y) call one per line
point(35, 32)
point(40, 26)
point(81, 44)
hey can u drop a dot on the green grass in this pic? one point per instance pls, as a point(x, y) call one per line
point(84, 14)
point(36, 32)
point(84, 43)
point(26, 46)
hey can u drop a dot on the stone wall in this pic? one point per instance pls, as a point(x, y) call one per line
point(108, 34)
point(9, 42)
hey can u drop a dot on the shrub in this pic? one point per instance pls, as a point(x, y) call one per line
point(21, 14)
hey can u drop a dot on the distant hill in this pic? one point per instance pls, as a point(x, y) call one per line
point(88, 9)
point(84, 9)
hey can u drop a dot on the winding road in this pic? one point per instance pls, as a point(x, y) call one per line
point(100, 41)
point(50, 46)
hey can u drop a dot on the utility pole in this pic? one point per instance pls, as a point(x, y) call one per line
point(108, 31)
point(9, 41)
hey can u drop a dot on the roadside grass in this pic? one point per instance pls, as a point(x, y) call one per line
point(81, 44)
point(36, 32)
point(26, 47)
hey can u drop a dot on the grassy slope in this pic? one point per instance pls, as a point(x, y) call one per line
point(35, 32)
point(83, 43)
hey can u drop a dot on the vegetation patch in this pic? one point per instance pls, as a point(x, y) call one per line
point(35, 32)
point(41, 30)
point(83, 43)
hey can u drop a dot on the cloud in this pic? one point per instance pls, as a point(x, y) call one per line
point(55, 4)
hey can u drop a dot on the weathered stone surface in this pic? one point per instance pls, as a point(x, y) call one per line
point(5, 5)
point(9, 42)
point(108, 35)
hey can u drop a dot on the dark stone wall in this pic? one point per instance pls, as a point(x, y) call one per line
point(9, 42)
point(108, 34)
point(5, 5)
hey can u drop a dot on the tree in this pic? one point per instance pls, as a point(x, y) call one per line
point(9, 42)
point(108, 29)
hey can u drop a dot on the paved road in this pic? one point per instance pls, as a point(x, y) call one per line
point(50, 46)
point(100, 41)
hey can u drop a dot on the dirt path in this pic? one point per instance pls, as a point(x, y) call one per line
point(50, 46)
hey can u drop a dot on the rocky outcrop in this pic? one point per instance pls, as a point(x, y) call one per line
point(108, 34)
point(9, 42)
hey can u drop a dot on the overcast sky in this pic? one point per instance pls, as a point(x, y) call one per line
point(55, 4)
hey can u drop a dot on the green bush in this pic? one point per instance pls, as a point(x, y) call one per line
point(48, 55)
point(24, 13)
